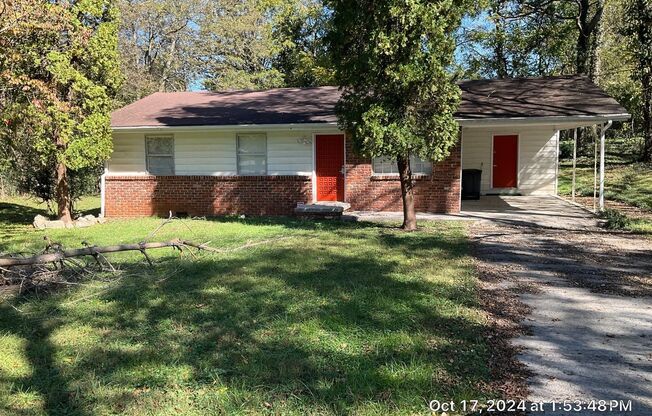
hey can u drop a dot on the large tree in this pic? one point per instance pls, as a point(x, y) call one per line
point(58, 73)
point(159, 45)
point(392, 61)
point(585, 15)
point(303, 57)
point(638, 29)
point(535, 44)
point(237, 46)
point(536, 37)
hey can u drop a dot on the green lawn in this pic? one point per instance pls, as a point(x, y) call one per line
point(627, 183)
point(341, 318)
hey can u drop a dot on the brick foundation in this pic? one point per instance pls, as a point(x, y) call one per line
point(133, 196)
point(439, 193)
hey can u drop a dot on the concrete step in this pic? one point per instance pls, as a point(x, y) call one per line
point(326, 209)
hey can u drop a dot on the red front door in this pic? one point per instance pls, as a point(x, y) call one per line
point(329, 155)
point(505, 161)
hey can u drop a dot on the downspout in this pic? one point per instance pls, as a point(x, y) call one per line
point(603, 133)
point(102, 190)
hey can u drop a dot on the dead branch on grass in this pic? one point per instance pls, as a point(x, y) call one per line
point(56, 265)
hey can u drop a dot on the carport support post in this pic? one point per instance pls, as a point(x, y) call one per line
point(603, 133)
point(574, 161)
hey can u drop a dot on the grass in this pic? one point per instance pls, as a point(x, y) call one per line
point(629, 183)
point(17, 213)
point(341, 318)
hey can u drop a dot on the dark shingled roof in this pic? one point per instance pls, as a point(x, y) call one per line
point(482, 99)
point(569, 96)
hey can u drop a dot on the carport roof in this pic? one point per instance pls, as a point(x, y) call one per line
point(483, 101)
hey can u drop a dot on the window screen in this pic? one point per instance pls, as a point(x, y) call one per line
point(387, 166)
point(252, 154)
point(160, 155)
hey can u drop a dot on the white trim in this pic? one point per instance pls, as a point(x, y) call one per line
point(314, 167)
point(603, 134)
point(518, 160)
point(250, 127)
point(344, 168)
point(479, 122)
point(461, 164)
point(103, 190)
point(467, 122)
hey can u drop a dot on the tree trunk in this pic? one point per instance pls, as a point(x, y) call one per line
point(62, 192)
point(407, 193)
point(587, 41)
point(641, 11)
point(583, 39)
point(647, 116)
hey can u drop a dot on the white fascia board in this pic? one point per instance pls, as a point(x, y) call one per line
point(238, 127)
point(464, 122)
point(551, 120)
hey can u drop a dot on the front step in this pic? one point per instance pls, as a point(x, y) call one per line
point(321, 210)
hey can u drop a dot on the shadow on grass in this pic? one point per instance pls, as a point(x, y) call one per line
point(304, 327)
point(15, 217)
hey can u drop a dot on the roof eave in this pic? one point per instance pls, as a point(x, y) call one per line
point(209, 127)
point(549, 120)
point(464, 122)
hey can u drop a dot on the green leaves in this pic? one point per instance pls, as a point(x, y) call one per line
point(60, 71)
point(392, 60)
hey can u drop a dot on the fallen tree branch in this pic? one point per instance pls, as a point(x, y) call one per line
point(88, 251)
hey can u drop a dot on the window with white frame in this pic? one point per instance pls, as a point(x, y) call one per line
point(252, 154)
point(387, 166)
point(160, 155)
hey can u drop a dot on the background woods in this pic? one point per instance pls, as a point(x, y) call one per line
point(64, 65)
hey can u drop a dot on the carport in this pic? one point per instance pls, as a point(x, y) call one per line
point(546, 212)
point(510, 134)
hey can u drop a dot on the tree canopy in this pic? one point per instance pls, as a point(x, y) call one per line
point(393, 61)
point(58, 75)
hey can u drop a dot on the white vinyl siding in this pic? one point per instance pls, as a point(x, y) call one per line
point(388, 166)
point(537, 157)
point(289, 153)
point(205, 154)
point(214, 153)
point(128, 157)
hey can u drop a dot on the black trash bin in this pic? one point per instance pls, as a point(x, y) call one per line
point(471, 183)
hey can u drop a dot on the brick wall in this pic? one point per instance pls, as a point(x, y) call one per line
point(133, 196)
point(438, 193)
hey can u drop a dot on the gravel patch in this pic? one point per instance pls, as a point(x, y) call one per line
point(574, 301)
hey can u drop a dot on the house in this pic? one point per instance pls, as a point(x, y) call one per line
point(264, 152)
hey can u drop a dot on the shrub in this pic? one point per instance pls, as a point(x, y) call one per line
point(616, 220)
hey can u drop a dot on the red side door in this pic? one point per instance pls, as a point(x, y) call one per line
point(505, 161)
point(329, 161)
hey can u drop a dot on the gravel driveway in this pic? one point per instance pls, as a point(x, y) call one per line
point(588, 333)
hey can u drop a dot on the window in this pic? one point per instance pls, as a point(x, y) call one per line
point(252, 154)
point(387, 166)
point(160, 155)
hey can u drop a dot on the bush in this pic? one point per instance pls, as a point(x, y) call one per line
point(616, 220)
point(566, 149)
